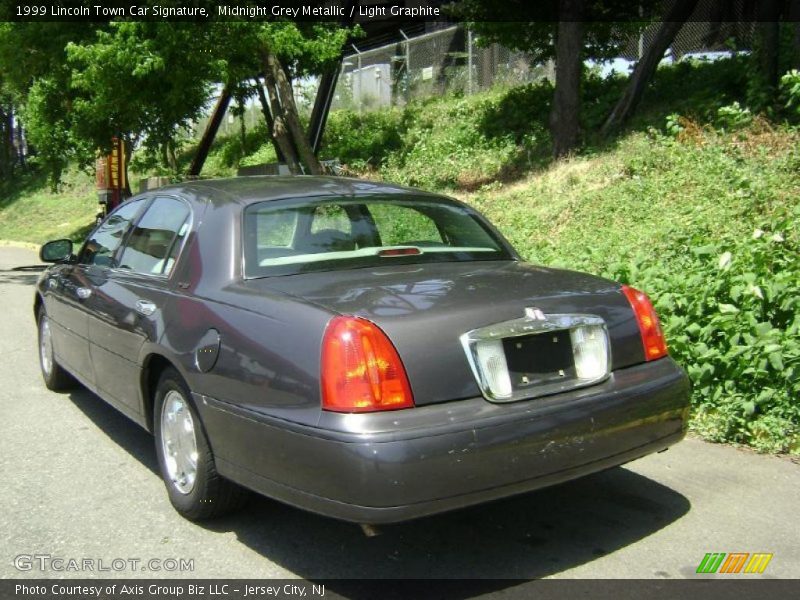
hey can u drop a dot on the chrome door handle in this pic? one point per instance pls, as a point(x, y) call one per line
point(83, 293)
point(145, 307)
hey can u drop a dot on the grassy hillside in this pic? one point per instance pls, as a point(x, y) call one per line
point(31, 212)
point(696, 204)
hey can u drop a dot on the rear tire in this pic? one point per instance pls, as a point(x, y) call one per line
point(195, 488)
point(54, 375)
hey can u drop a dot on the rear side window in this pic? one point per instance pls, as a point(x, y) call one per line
point(99, 249)
point(155, 241)
point(297, 236)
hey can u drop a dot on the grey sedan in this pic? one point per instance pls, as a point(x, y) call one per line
point(365, 351)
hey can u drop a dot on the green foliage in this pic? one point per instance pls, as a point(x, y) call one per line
point(600, 95)
point(695, 88)
point(453, 144)
point(364, 139)
point(732, 316)
point(673, 126)
point(31, 212)
point(137, 80)
point(733, 116)
point(516, 112)
point(50, 129)
point(37, 81)
point(80, 84)
point(730, 311)
point(790, 88)
point(228, 153)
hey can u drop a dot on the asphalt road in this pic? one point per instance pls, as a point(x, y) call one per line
point(80, 481)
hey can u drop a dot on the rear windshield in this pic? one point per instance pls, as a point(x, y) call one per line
point(298, 236)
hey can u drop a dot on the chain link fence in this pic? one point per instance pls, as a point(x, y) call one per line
point(449, 60)
point(428, 65)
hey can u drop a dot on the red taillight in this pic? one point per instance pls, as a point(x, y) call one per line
point(361, 371)
point(655, 346)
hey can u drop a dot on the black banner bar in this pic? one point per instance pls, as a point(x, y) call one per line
point(734, 587)
point(367, 12)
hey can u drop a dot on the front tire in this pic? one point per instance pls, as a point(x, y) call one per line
point(185, 459)
point(54, 375)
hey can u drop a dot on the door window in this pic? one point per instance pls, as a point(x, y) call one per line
point(99, 249)
point(155, 241)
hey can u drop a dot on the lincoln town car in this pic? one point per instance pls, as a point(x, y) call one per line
point(366, 351)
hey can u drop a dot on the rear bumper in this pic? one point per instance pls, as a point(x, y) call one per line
point(402, 465)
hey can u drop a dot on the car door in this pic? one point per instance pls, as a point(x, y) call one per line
point(129, 301)
point(71, 290)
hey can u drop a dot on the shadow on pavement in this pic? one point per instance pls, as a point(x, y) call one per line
point(26, 275)
point(525, 537)
point(122, 431)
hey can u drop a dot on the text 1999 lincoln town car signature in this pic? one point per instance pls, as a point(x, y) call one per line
point(361, 350)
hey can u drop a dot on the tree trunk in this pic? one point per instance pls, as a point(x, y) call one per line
point(279, 131)
point(768, 48)
point(322, 106)
point(172, 158)
point(647, 65)
point(210, 133)
point(265, 110)
point(796, 45)
point(127, 152)
point(20, 146)
point(289, 112)
point(7, 132)
point(4, 167)
point(769, 34)
point(565, 114)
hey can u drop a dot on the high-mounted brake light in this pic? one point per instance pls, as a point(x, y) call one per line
point(655, 346)
point(410, 251)
point(361, 370)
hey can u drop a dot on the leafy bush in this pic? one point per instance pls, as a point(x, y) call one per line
point(366, 138)
point(733, 116)
point(695, 88)
point(730, 311)
point(790, 88)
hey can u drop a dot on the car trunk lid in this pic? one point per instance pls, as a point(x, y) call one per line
point(425, 308)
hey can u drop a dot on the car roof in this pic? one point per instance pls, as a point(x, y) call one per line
point(261, 188)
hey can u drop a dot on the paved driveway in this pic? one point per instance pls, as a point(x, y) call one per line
point(80, 481)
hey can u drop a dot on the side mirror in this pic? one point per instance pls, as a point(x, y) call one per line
point(56, 251)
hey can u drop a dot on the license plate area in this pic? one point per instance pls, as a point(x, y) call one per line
point(538, 355)
point(534, 360)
